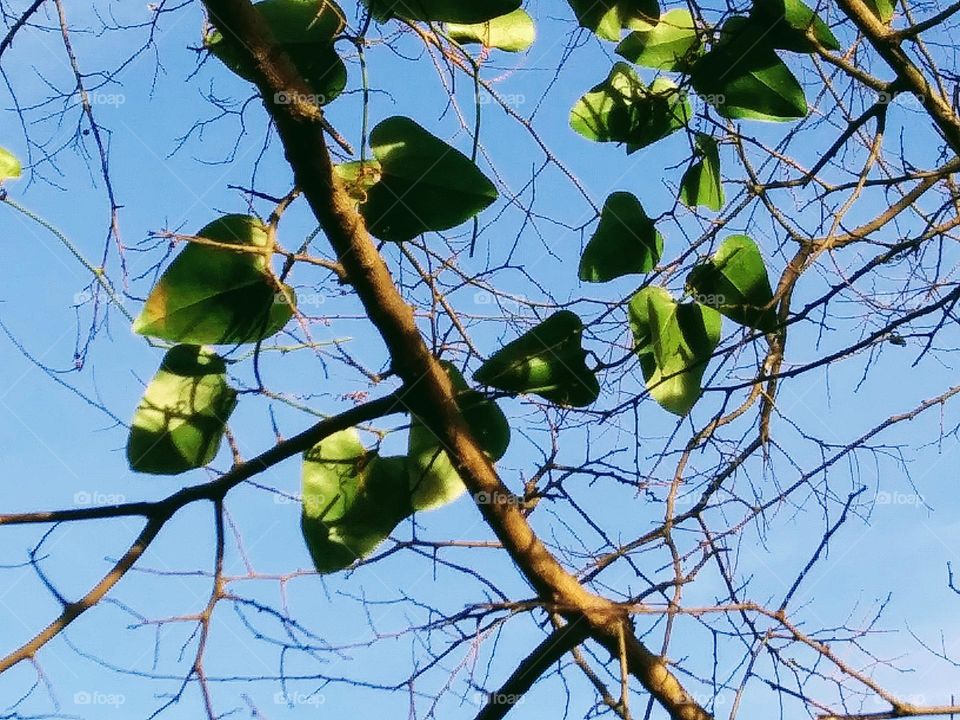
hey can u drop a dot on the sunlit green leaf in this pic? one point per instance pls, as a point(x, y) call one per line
point(514, 32)
point(735, 282)
point(352, 500)
point(180, 421)
point(701, 185)
point(216, 296)
point(425, 184)
point(743, 78)
point(785, 24)
point(883, 9)
point(548, 361)
point(622, 109)
point(669, 46)
point(625, 242)
point(305, 30)
point(608, 18)
point(358, 177)
point(674, 342)
point(434, 481)
point(454, 11)
point(9, 165)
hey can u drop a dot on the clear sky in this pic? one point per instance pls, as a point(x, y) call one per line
point(60, 449)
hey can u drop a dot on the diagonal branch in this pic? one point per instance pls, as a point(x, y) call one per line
point(434, 403)
point(887, 43)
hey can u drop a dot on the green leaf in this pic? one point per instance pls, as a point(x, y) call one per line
point(548, 361)
point(180, 420)
point(701, 185)
point(785, 23)
point(674, 342)
point(305, 30)
point(9, 165)
point(352, 500)
point(453, 11)
point(883, 9)
point(626, 241)
point(514, 32)
point(622, 109)
point(735, 282)
point(668, 46)
point(743, 78)
point(215, 296)
point(358, 177)
point(425, 184)
point(607, 18)
point(434, 481)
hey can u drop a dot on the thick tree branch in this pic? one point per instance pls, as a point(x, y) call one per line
point(887, 43)
point(432, 398)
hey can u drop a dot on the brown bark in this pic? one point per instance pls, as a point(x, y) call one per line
point(431, 397)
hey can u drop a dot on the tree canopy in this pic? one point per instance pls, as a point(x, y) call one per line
point(573, 359)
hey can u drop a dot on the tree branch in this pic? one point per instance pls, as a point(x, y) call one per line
point(433, 402)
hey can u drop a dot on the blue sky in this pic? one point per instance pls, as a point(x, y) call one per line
point(60, 451)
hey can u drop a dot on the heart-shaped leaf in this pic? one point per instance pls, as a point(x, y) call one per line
point(674, 342)
point(305, 30)
point(514, 32)
point(352, 500)
point(454, 11)
point(701, 185)
point(9, 165)
point(216, 296)
point(742, 77)
point(425, 185)
point(607, 18)
point(626, 241)
point(179, 423)
point(671, 45)
point(548, 361)
point(622, 109)
point(785, 24)
point(735, 282)
point(434, 481)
